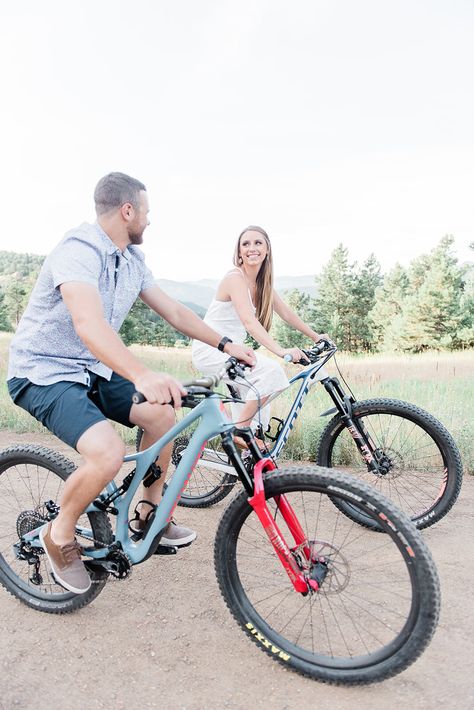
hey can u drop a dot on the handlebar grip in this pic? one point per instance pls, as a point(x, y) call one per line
point(288, 358)
point(322, 345)
point(139, 398)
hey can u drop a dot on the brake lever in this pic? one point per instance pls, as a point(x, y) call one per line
point(237, 370)
point(288, 358)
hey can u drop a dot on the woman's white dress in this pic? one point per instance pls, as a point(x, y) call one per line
point(267, 376)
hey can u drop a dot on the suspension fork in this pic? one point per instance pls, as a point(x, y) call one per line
point(259, 504)
point(344, 405)
point(254, 486)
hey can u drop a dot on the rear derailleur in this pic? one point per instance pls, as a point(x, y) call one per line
point(24, 551)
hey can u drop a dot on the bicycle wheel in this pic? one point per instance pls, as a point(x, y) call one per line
point(423, 465)
point(378, 604)
point(211, 479)
point(30, 477)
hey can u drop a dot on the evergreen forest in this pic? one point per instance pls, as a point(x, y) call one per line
point(427, 305)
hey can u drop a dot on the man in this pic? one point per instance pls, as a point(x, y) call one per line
point(70, 369)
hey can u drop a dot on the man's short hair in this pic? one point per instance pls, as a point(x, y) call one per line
point(114, 190)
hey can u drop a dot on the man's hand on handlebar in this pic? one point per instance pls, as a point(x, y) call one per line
point(160, 388)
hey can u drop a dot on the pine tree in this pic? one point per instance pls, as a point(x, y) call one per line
point(332, 307)
point(389, 299)
point(145, 327)
point(16, 294)
point(364, 287)
point(466, 329)
point(417, 272)
point(5, 324)
point(431, 314)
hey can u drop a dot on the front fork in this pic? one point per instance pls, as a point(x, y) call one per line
point(355, 427)
point(258, 502)
point(253, 484)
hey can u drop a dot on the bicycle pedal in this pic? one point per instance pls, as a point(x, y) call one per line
point(166, 550)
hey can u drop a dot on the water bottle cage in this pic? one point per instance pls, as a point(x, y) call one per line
point(279, 427)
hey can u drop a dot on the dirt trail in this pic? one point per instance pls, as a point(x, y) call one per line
point(165, 639)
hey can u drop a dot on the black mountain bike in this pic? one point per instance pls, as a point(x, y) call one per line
point(397, 447)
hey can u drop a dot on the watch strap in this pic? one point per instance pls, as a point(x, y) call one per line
point(223, 343)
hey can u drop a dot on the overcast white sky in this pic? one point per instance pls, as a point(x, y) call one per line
point(322, 121)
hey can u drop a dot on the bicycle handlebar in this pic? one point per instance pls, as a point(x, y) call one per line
point(236, 369)
point(312, 353)
point(231, 366)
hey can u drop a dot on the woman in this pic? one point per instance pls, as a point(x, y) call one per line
point(244, 303)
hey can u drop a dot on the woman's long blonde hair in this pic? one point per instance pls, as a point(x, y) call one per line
point(264, 290)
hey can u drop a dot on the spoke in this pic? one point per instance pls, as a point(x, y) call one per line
point(287, 594)
point(364, 600)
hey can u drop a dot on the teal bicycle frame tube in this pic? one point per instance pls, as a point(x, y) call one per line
point(213, 421)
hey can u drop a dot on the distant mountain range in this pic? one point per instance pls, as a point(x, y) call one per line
point(195, 294)
point(200, 293)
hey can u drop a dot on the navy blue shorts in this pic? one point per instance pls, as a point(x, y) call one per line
point(68, 409)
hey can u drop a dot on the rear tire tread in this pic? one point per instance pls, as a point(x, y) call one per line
point(17, 454)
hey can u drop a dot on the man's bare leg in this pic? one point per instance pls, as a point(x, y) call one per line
point(155, 420)
point(102, 450)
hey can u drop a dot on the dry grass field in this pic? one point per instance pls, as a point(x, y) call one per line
point(440, 382)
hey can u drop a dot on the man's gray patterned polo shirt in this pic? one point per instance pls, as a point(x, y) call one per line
point(46, 348)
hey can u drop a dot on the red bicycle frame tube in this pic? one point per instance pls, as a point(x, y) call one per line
point(259, 504)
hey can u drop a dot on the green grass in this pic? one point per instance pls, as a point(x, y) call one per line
point(441, 383)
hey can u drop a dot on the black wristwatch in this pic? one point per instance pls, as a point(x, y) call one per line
point(223, 343)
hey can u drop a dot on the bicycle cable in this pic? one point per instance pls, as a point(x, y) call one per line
point(260, 406)
point(342, 376)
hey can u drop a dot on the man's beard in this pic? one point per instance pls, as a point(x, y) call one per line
point(135, 237)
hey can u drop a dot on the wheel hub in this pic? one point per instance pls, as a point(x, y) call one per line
point(329, 567)
point(389, 463)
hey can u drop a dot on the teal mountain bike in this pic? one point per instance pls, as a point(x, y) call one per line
point(312, 588)
point(397, 447)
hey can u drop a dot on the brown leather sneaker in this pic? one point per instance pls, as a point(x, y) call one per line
point(65, 561)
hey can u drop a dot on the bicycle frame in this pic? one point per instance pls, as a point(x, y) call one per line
point(213, 420)
point(308, 377)
point(343, 404)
